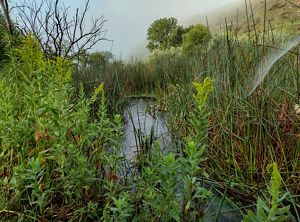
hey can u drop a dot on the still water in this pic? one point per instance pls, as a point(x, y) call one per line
point(143, 120)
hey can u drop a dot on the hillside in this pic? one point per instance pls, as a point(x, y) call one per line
point(281, 15)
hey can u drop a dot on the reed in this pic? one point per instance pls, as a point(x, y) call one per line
point(61, 132)
point(247, 133)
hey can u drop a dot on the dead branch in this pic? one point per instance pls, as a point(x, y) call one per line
point(58, 33)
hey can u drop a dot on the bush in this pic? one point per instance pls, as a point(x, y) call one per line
point(52, 154)
point(196, 37)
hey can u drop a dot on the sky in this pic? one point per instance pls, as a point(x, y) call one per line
point(128, 20)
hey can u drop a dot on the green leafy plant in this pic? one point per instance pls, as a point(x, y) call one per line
point(53, 155)
point(195, 196)
point(157, 188)
point(121, 209)
point(269, 209)
point(199, 117)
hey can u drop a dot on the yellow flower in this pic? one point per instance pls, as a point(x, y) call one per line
point(203, 89)
point(98, 89)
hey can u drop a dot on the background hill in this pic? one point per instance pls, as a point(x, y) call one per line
point(279, 16)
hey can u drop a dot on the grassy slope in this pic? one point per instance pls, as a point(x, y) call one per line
point(280, 16)
point(283, 16)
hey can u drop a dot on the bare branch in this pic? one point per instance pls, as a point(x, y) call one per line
point(58, 33)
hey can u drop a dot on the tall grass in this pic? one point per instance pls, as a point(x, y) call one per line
point(246, 133)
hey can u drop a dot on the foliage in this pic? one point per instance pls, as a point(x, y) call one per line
point(242, 134)
point(169, 188)
point(52, 153)
point(269, 209)
point(2, 34)
point(195, 194)
point(6, 41)
point(199, 117)
point(60, 151)
point(97, 58)
point(94, 61)
point(203, 89)
point(164, 33)
point(198, 36)
point(60, 164)
point(172, 52)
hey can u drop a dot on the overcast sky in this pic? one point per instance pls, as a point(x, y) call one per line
point(128, 20)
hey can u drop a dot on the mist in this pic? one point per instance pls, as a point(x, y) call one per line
point(128, 20)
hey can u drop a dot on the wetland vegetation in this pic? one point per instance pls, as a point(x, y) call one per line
point(62, 129)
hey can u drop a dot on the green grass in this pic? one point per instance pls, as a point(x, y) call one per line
point(280, 16)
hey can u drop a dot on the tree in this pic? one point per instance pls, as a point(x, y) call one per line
point(196, 37)
point(5, 9)
point(93, 61)
point(58, 33)
point(187, 29)
point(108, 55)
point(164, 33)
point(97, 60)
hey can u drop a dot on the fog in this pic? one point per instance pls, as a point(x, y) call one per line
point(128, 20)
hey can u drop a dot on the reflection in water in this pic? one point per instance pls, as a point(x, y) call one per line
point(139, 125)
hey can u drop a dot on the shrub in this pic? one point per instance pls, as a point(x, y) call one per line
point(54, 157)
point(197, 36)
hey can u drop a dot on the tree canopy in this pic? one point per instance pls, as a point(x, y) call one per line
point(164, 33)
point(197, 36)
